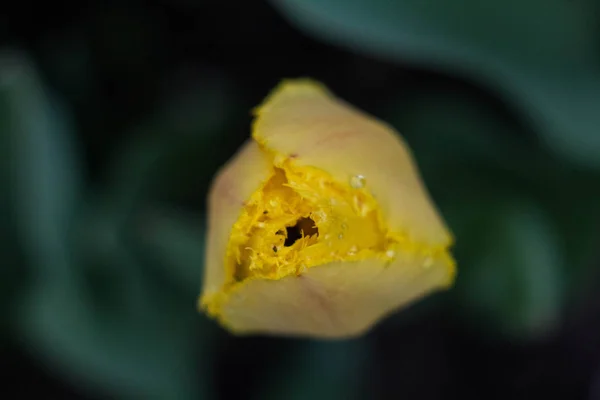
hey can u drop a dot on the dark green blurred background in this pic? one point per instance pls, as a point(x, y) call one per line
point(114, 117)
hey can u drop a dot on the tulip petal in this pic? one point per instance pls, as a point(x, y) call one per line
point(336, 300)
point(227, 197)
point(301, 119)
point(321, 225)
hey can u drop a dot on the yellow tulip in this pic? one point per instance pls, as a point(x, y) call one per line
point(320, 226)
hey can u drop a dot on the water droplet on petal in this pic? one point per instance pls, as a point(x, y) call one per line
point(344, 226)
point(390, 253)
point(358, 181)
point(340, 236)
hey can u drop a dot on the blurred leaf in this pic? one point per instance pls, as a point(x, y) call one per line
point(93, 311)
point(540, 55)
point(115, 324)
point(575, 208)
point(132, 354)
point(512, 268)
point(10, 270)
point(449, 125)
point(175, 242)
point(137, 257)
point(44, 171)
point(40, 180)
point(321, 370)
point(169, 160)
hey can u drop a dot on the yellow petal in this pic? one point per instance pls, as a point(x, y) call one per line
point(321, 226)
point(232, 186)
point(337, 300)
point(302, 119)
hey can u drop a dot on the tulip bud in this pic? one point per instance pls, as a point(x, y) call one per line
point(320, 226)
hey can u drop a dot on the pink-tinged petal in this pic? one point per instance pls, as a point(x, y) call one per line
point(321, 225)
point(336, 300)
point(232, 186)
point(303, 120)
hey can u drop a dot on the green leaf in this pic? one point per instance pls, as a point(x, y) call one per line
point(131, 354)
point(512, 277)
point(449, 125)
point(575, 207)
point(541, 56)
point(40, 181)
point(114, 324)
point(44, 170)
point(174, 241)
point(94, 312)
point(141, 257)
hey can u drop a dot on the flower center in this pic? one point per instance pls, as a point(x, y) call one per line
point(301, 218)
point(304, 227)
